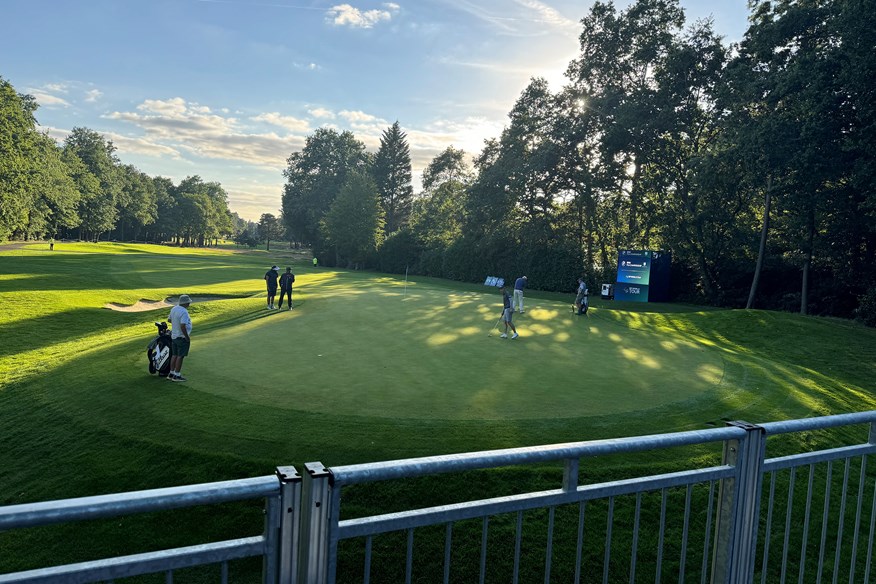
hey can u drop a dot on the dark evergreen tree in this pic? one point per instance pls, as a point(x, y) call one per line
point(392, 174)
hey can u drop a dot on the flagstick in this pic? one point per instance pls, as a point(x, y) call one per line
point(406, 284)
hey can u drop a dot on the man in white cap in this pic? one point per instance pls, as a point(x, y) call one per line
point(181, 327)
point(271, 279)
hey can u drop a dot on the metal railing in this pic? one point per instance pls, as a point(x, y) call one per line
point(719, 523)
point(281, 493)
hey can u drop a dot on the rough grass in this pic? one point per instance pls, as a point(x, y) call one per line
point(362, 369)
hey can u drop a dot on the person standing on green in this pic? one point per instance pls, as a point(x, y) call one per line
point(314, 261)
point(286, 281)
point(271, 281)
point(52, 244)
point(507, 313)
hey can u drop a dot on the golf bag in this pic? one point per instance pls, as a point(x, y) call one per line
point(584, 304)
point(158, 351)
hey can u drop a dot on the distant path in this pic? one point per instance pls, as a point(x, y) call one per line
point(16, 245)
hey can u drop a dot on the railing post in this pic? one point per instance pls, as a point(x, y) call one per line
point(290, 517)
point(738, 508)
point(270, 563)
point(570, 475)
point(315, 516)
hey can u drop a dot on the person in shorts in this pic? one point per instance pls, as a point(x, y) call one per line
point(507, 312)
point(180, 341)
point(271, 280)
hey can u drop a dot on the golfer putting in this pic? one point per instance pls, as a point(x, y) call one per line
point(507, 313)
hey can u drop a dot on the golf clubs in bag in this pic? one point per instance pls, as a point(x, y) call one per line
point(584, 304)
point(158, 351)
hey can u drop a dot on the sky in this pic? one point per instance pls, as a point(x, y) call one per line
point(228, 89)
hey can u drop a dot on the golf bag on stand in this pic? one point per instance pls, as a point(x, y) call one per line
point(585, 303)
point(158, 351)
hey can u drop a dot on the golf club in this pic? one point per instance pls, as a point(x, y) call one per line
point(494, 326)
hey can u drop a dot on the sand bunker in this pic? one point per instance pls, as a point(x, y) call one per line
point(144, 304)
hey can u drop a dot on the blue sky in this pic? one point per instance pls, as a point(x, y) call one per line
point(227, 89)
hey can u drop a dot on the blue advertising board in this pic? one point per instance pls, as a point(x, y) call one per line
point(643, 275)
point(633, 275)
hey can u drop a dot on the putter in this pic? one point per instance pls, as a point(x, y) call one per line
point(495, 325)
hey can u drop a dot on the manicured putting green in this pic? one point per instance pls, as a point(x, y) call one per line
point(364, 349)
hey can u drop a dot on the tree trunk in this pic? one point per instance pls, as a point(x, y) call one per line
point(807, 262)
point(763, 239)
point(634, 204)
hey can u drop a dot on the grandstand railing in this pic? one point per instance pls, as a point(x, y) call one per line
point(721, 524)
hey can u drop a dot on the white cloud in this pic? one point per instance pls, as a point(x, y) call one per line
point(357, 116)
point(288, 122)
point(92, 95)
point(322, 113)
point(549, 15)
point(47, 99)
point(346, 15)
point(190, 128)
point(57, 87)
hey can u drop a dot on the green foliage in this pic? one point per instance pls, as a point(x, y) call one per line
point(314, 178)
point(354, 223)
point(269, 228)
point(399, 251)
point(866, 312)
point(392, 174)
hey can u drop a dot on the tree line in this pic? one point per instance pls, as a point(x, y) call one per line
point(81, 190)
point(752, 163)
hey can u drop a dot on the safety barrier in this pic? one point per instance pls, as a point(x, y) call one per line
point(730, 508)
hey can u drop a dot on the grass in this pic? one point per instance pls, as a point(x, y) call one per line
point(363, 369)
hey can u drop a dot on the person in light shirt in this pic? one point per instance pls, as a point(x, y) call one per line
point(180, 339)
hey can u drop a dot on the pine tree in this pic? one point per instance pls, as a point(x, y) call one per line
point(392, 173)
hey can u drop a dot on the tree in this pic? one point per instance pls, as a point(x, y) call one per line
point(615, 75)
point(18, 145)
point(269, 228)
point(314, 176)
point(137, 204)
point(57, 199)
point(96, 209)
point(449, 165)
point(354, 223)
point(392, 173)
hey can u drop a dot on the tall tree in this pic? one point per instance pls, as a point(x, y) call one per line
point(392, 174)
point(449, 165)
point(619, 56)
point(18, 144)
point(57, 199)
point(269, 228)
point(354, 223)
point(314, 177)
point(136, 203)
point(97, 210)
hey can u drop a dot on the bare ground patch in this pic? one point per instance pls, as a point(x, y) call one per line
point(144, 304)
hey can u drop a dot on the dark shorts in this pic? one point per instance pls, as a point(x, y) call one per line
point(179, 347)
point(272, 291)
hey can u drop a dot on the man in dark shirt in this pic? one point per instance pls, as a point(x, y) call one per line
point(286, 281)
point(519, 285)
point(271, 279)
